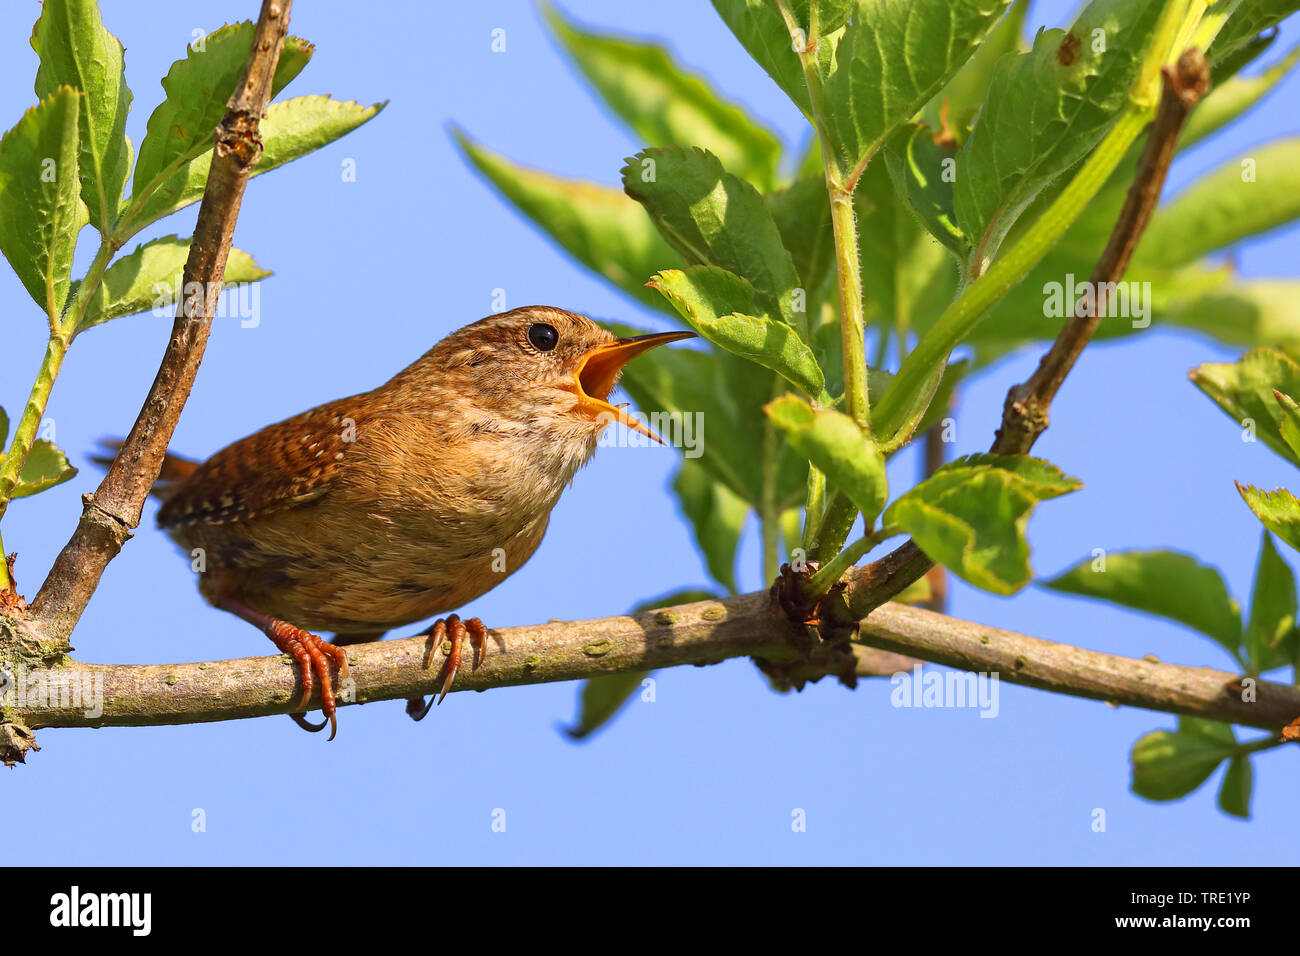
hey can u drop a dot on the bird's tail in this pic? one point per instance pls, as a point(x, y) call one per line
point(175, 468)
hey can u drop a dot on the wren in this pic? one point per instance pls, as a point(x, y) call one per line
point(389, 507)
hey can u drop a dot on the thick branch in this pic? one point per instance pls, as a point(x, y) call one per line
point(702, 633)
point(1025, 413)
point(110, 514)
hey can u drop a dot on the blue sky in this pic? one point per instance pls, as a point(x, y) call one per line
point(368, 275)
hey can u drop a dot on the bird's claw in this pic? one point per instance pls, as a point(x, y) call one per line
point(312, 657)
point(457, 631)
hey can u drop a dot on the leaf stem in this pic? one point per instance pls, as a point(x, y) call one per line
point(61, 334)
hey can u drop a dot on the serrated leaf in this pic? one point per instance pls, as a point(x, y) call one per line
point(1244, 389)
point(1045, 110)
point(1231, 203)
point(1235, 791)
point(46, 466)
point(150, 279)
point(712, 217)
point(892, 58)
point(714, 301)
point(717, 516)
point(1278, 510)
point(765, 35)
point(1169, 765)
point(76, 50)
point(599, 226)
point(198, 88)
point(835, 444)
point(291, 129)
point(41, 210)
point(1289, 426)
point(970, 516)
point(1270, 629)
point(663, 103)
point(1165, 583)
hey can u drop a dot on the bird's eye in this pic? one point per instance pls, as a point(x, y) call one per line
point(542, 336)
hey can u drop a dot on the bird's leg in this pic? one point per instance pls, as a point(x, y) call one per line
point(312, 658)
point(457, 630)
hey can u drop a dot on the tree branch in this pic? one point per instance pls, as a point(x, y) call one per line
point(701, 633)
point(1025, 412)
point(113, 511)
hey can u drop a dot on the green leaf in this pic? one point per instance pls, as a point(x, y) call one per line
point(1243, 312)
point(1168, 765)
point(1270, 630)
point(1045, 110)
point(923, 414)
point(713, 301)
point(1244, 389)
point(1278, 510)
point(40, 198)
point(906, 276)
point(962, 95)
point(835, 444)
point(1227, 205)
point(728, 393)
point(970, 516)
point(893, 57)
point(1248, 20)
point(46, 466)
point(1228, 101)
point(717, 516)
point(77, 51)
point(150, 279)
point(764, 34)
point(1166, 583)
point(1289, 425)
point(603, 697)
point(291, 129)
point(4, 428)
point(198, 88)
point(663, 103)
point(599, 226)
point(714, 218)
point(922, 170)
point(1235, 791)
point(802, 213)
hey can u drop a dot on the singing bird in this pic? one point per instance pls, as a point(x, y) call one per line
point(386, 508)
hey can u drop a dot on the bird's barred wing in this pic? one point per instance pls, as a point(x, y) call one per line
point(282, 466)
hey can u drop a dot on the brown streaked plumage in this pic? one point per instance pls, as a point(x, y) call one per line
point(386, 508)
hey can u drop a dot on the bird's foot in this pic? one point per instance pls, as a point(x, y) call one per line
point(455, 630)
point(311, 656)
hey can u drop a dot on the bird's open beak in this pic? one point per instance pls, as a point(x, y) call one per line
point(599, 370)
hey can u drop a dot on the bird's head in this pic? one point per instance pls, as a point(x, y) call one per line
point(541, 364)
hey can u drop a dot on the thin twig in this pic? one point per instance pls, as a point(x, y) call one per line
point(110, 514)
point(1025, 413)
point(701, 633)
